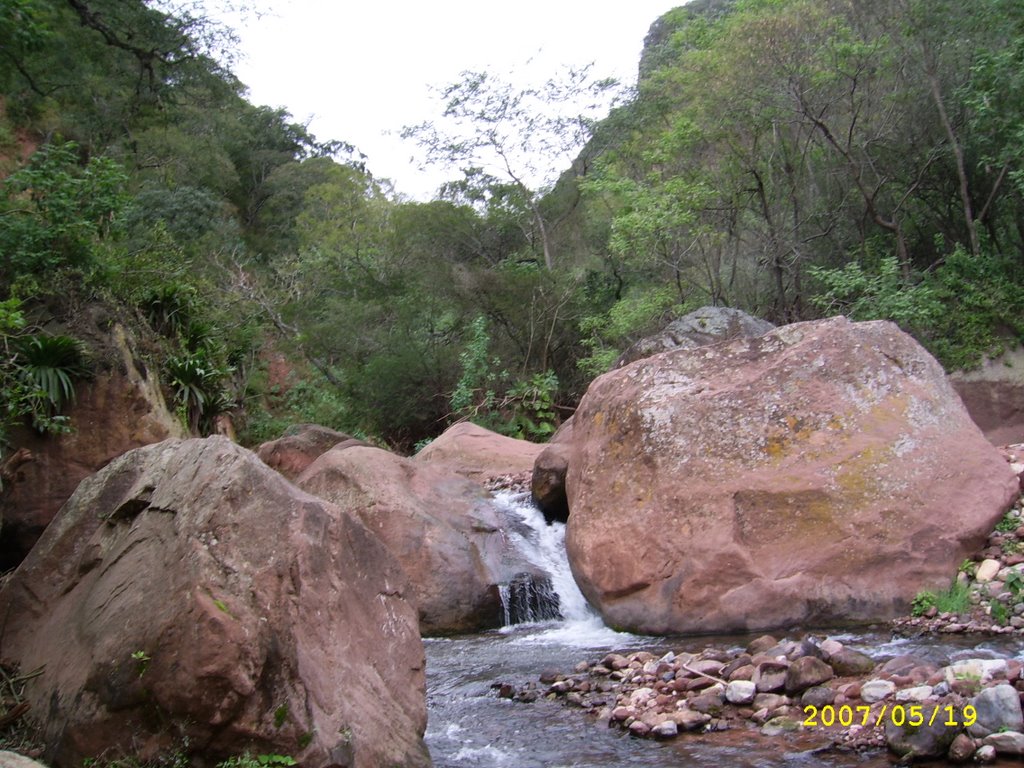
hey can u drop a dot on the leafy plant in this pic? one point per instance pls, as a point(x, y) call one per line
point(471, 395)
point(198, 383)
point(999, 613)
point(922, 603)
point(56, 210)
point(141, 659)
point(1009, 522)
point(170, 308)
point(258, 761)
point(882, 292)
point(51, 364)
point(532, 405)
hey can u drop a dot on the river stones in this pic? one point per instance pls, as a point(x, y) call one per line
point(998, 709)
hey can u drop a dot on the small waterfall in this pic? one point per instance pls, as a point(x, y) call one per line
point(529, 598)
point(550, 592)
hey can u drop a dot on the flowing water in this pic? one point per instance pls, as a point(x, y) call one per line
point(470, 726)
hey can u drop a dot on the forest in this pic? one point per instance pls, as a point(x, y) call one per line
point(792, 158)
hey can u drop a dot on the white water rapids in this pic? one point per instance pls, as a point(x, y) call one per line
point(542, 544)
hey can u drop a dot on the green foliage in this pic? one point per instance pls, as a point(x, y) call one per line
point(471, 395)
point(258, 761)
point(1009, 522)
point(141, 659)
point(999, 613)
point(37, 374)
point(307, 401)
point(608, 334)
point(956, 600)
point(878, 294)
point(530, 406)
point(786, 157)
point(55, 210)
point(50, 366)
point(922, 603)
point(198, 382)
point(982, 300)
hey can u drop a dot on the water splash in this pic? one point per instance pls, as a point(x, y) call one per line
point(542, 545)
point(529, 598)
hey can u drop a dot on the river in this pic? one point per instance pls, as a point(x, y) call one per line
point(470, 726)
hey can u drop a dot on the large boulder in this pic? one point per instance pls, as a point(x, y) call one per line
point(994, 396)
point(440, 526)
point(300, 446)
point(699, 328)
point(188, 598)
point(823, 473)
point(118, 409)
point(479, 453)
point(707, 325)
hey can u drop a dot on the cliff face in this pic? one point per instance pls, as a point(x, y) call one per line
point(659, 43)
point(120, 408)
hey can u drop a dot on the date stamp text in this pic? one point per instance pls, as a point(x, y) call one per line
point(899, 715)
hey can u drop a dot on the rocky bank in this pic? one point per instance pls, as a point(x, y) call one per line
point(969, 709)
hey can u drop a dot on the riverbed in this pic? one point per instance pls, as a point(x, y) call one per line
point(469, 725)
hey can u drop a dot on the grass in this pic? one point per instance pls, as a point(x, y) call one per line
point(956, 599)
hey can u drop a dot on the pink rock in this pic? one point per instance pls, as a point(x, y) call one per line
point(824, 472)
point(114, 411)
point(479, 453)
point(300, 446)
point(189, 580)
point(438, 524)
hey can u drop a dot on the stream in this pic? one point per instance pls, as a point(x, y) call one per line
point(468, 725)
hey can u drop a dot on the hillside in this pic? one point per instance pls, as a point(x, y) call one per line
point(791, 158)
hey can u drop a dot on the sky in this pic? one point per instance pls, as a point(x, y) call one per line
point(360, 71)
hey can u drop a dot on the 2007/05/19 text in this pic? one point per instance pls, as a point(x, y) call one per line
point(913, 715)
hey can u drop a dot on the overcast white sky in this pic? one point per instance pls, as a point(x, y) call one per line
point(358, 71)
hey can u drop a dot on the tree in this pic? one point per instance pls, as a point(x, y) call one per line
point(511, 144)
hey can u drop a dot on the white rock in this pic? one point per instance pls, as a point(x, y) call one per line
point(1006, 743)
point(917, 693)
point(641, 696)
point(982, 670)
point(740, 692)
point(987, 570)
point(876, 690)
point(985, 754)
point(14, 760)
point(998, 709)
point(666, 729)
point(830, 647)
